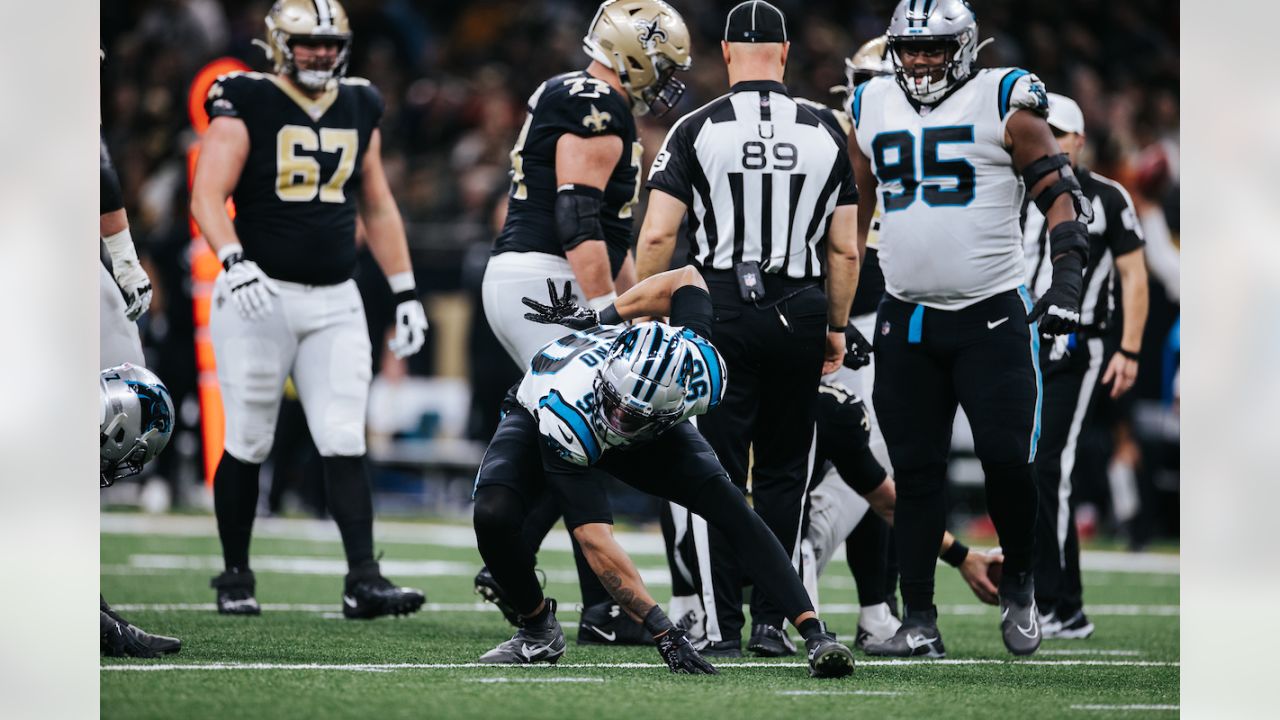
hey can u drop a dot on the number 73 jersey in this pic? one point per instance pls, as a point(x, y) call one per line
point(950, 198)
point(296, 197)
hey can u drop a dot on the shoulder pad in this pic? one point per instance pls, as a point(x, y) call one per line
point(583, 105)
point(1020, 88)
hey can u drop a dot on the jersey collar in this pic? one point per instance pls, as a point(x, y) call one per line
point(761, 86)
point(315, 109)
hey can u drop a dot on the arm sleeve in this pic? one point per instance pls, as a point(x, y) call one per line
point(111, 197)
point(1124, 232)
point(671, 171)
point(844, 439)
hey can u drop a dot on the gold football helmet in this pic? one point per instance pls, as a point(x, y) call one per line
point(870, 60)
point(293, 20)
point(645, 42)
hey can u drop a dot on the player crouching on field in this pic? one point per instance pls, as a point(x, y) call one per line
point(616, 398)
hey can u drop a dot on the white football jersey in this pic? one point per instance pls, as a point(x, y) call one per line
point(559, 390)
point(949, 196)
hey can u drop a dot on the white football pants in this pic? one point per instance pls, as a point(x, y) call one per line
point(118, 341)
point(512, 276)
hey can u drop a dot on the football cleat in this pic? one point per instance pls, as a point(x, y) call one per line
point(917, 636)
point(532, 643)
point(235, 593)
point(827, 657)
point(769, 641)
point(719, 648)
point(489, 589)
point(1019, 621)
point(1076, 627)
point(368, 595)
point(119, 638)
point(875, 624)
point(606, 624)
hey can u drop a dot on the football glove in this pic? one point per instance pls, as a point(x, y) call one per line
point(681, 656)
point(251, 289)
point(411, 326)
point(562, 310)
point(857, 350)
point(128, 274)
point(1058, 310)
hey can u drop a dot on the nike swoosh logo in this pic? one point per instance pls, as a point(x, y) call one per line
point(915, 641)
point(529, 652)
point(567, 437)
point(993, 325)
point(1031, 632)
point(350, 601)
point(611, 636)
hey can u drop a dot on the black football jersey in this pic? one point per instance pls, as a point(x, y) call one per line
point(580, 104)
point(296, 198)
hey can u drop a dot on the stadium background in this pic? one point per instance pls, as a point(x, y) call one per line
point(455, 77)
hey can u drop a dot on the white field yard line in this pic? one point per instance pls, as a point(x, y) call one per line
point(366, 667)
point(825, 609)
point(1112, 708)
point(462, 536)
point(536, 680)
point(803, 693)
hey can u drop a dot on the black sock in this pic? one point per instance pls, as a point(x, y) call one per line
point(499, 520)
point(1011, 501)
point(919, 522)
point(866, 551)
point(809, 628)
point(350, 499)
point(235, 501)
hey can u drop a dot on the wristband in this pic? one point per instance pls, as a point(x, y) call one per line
point(1128, 353)
point(657, 622)
point(231, 254)
point(836, 328)
point(609, 316)
point(602, 302)
point(120, 247)
point(401, 282)
point(955, 554)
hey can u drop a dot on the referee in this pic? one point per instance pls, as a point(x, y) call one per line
point(772, 214)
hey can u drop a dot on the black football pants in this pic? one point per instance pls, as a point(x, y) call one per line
point(985, 358)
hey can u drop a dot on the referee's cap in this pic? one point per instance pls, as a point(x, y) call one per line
point(755, 21)
point(1065, 114)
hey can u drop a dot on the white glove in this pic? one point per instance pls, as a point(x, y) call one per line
point(129, 275)
point(250, 288)
point(411, 328)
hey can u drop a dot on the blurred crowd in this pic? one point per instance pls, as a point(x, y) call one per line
point(455, 77)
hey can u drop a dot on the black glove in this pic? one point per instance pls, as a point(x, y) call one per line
point(680, 655)
point(1059, 308)
point(857, 353)
point(562, 310)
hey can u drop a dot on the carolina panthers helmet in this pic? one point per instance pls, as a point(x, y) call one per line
point(137, 420)
point(932, 21)
point(870, 60)
point(645, 42)
point(641, 386)
point(292, 20)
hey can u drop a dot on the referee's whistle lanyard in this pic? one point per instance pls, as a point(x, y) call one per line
point(777, 305)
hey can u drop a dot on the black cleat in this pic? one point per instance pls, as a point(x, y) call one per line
point(607, 624)
point(489, 589)
point(769, 641)
point(1076, 627)
point(368, 595)
point(827, 657)
point(235, 593)
point(917, 636)
point(719, 648)
point(532, 643)
point(1019, 621)
point(119, 638)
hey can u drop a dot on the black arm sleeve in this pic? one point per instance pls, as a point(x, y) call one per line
point(111, 197)
point(691, 308)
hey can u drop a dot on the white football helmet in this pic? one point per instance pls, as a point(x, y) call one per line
point(137, 420)
point(933, 21)
point(642, 385)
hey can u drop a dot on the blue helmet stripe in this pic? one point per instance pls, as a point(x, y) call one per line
point(576, 421)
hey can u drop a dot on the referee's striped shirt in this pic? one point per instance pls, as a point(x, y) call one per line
point(761, 175)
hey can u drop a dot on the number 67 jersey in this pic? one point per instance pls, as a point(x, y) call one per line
point(950, 196)
point(296, 198)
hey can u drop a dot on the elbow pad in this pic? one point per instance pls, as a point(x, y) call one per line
point(578, 215)
point(1068, 239)
point(1066, 182)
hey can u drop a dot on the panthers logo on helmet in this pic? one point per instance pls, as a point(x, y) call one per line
point(651, 32)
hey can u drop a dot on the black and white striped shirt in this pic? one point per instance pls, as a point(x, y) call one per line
point(761, 175)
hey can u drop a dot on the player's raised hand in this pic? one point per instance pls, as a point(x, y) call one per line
point(411, 328)
point(251, 289)
point(562, 310)
point(680, 655)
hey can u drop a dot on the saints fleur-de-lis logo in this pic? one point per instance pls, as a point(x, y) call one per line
point(651, 32)
point(597, 120)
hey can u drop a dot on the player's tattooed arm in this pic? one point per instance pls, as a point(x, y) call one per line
point(615, 569)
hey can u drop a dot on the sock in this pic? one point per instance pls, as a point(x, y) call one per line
point(499, 520)
point(540, 618)
point(350, 499)
point(1011, 501)
point(811, 627)
point(235, 501)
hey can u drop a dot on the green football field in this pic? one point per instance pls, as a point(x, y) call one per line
point(300, 659)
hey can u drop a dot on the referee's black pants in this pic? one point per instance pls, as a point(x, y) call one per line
point(985, 358)
point(1069, 383)
point(765, 422)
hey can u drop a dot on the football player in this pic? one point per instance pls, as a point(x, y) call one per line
point(137, 421)
point(617, 397)
point(575, 181)
point(950, 152)
point(125, 290)
point(295, 149)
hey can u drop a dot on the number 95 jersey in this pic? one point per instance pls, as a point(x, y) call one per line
point(296, 197)
point(559, 388)
point(949, 195)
